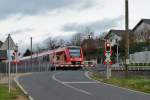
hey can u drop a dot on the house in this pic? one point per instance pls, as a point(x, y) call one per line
point(114, 36)
point(142, 30)
point(3, 53)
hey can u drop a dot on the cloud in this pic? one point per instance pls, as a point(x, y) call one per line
point(98, 26)
point(21, 31)
point(32, 7)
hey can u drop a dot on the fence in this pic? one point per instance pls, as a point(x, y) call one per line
point(24, 67)
point(140, 57)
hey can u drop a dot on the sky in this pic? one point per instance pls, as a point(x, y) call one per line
point(41, 19)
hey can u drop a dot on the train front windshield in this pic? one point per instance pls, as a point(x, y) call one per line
point(75, 52)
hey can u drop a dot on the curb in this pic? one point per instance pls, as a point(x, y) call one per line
point(22, 89)
point(139, 92)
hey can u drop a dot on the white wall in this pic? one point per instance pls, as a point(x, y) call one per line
point(140, 57)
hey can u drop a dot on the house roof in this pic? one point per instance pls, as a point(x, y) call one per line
point(147, 21)
point(117, 32)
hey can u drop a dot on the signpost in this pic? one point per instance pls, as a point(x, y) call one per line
point(8, 45)
point(108, 62)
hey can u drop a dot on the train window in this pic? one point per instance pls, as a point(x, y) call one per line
point(75, 52)
point(58, 57)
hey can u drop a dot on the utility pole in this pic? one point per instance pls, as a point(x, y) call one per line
point(31, 55)
point(127, 35)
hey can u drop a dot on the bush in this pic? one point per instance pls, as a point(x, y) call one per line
point(140, 64)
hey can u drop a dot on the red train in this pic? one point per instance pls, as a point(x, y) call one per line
point(69, 56)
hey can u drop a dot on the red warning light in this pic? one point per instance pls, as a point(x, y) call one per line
point(107, 46)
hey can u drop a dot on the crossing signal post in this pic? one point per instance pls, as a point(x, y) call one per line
point(16, 60)
point(108, 62)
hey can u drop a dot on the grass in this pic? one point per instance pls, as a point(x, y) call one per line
point(139, 83)
point(5, 95)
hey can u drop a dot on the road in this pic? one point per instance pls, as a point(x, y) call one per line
point(73, 85)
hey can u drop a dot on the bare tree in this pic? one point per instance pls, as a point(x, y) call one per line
point(52, 43)
point(146, 36)
point(61, 43)
point(76, 39)
point(102, 36)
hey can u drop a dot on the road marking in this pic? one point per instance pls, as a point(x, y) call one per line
point(19, 85)
point(80, 82)
point(87, 75)
point(139, 92)
point(67, 85)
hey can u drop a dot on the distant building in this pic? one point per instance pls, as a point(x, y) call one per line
point(114, 36)
point(142, 30)
point(4, 47)
point(3, 53)
point(1, 43)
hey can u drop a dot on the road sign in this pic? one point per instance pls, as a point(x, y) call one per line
point(108, 57)
point(9, 55)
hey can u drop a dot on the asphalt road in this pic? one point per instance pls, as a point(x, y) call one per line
point(73, 85)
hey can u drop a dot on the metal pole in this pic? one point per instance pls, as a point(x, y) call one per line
point(117, 52)
point(6, 68)
point(31, 55)
point(16, 56)
point(108, 72)
point(16, 68)
point(9, 62)
point(16, 61)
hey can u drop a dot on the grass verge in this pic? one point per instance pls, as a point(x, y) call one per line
point(138, 83)
point(15, 94)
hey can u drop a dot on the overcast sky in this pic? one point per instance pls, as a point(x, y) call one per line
point(43, 18)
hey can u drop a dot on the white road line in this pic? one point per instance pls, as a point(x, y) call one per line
point(19, 85)
point(87, 75)
point(67, 85)
point(139, 92)
point(80, 82)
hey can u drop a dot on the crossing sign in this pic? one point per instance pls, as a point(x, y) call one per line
point(108, 58)
point(108, 53)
